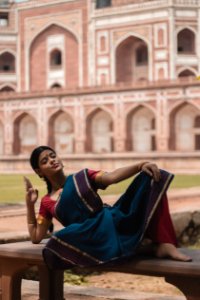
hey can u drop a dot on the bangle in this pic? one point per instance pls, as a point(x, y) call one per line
point(31, 223)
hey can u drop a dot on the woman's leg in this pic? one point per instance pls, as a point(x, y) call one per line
point(161, 232)
point(161, 229)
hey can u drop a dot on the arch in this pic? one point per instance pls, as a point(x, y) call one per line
point(11, 51)
point(1, 138)
point(61, 132)
point(131, 63)
point(180, 28)
point(25, 134)
point(186, 41)
point(6, 88)
point(49, 24)
point(56, 86)
point(70, 56)
point(99, 132)
point(135, 107)
point(94, 110)
point(55, 58)
point(140, 127)
point(174, 108)
point(132, 34)
point(7, 62)
point(184, 128)
point(187, 73)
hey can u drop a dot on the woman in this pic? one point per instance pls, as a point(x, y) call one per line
point(95, 233)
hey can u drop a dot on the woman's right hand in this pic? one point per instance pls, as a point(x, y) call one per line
point(31, 193)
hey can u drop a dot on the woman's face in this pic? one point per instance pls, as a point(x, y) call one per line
point(49, 163)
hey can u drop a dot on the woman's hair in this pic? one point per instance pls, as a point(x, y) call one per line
point(34, 158)
point(34, 161)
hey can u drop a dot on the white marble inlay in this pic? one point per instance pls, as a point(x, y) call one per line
point(103, 60)
point(56, 74)
point(186, 13)
point(8, 77)
point(161, 54)
point(8, 38)
point(131, 18)
point(186, 59)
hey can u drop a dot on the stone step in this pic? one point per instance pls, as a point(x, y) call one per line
point(14, 236)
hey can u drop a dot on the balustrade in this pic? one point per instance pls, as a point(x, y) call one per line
point(150, 3)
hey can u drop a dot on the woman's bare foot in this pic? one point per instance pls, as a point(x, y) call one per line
point(169, 250)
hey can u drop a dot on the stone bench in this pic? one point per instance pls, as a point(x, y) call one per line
point(15, 258)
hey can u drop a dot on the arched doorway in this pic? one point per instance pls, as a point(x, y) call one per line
point(25, 134)
point(7, 62)
point(186, 42)
point(141, 130)
point(99, 132)
point(67, 60)
point(61, 133)
point(131, 60)
point(185, 128)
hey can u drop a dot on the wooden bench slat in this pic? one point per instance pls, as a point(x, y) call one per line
point(158, 267)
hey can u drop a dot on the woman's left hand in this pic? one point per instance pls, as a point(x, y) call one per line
point(152, 170)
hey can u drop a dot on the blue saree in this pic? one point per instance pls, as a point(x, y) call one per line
point(95, 233)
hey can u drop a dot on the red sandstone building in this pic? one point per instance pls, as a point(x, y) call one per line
point(104, 82)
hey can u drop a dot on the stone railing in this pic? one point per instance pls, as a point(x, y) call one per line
point(149, 4)
point(121, 86)
point(185, 2)
point(155, 2)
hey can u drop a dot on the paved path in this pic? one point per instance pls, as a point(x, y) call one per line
point(30, 291)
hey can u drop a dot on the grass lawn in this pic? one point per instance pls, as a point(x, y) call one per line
point(13, 190)
point(179, 181)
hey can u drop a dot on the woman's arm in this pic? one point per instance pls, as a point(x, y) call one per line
point(37, 231)
point(126, 172)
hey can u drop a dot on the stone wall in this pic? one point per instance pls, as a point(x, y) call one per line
point(187, 226)
point(176, 163)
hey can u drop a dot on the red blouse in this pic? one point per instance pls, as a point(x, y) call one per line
point(47, 205)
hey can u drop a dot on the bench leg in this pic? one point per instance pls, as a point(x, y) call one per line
point(51, 284)
point(11, 287)
point(190, 287)
point(11, 278)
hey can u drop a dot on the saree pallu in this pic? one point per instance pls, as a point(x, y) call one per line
point(95, 233)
